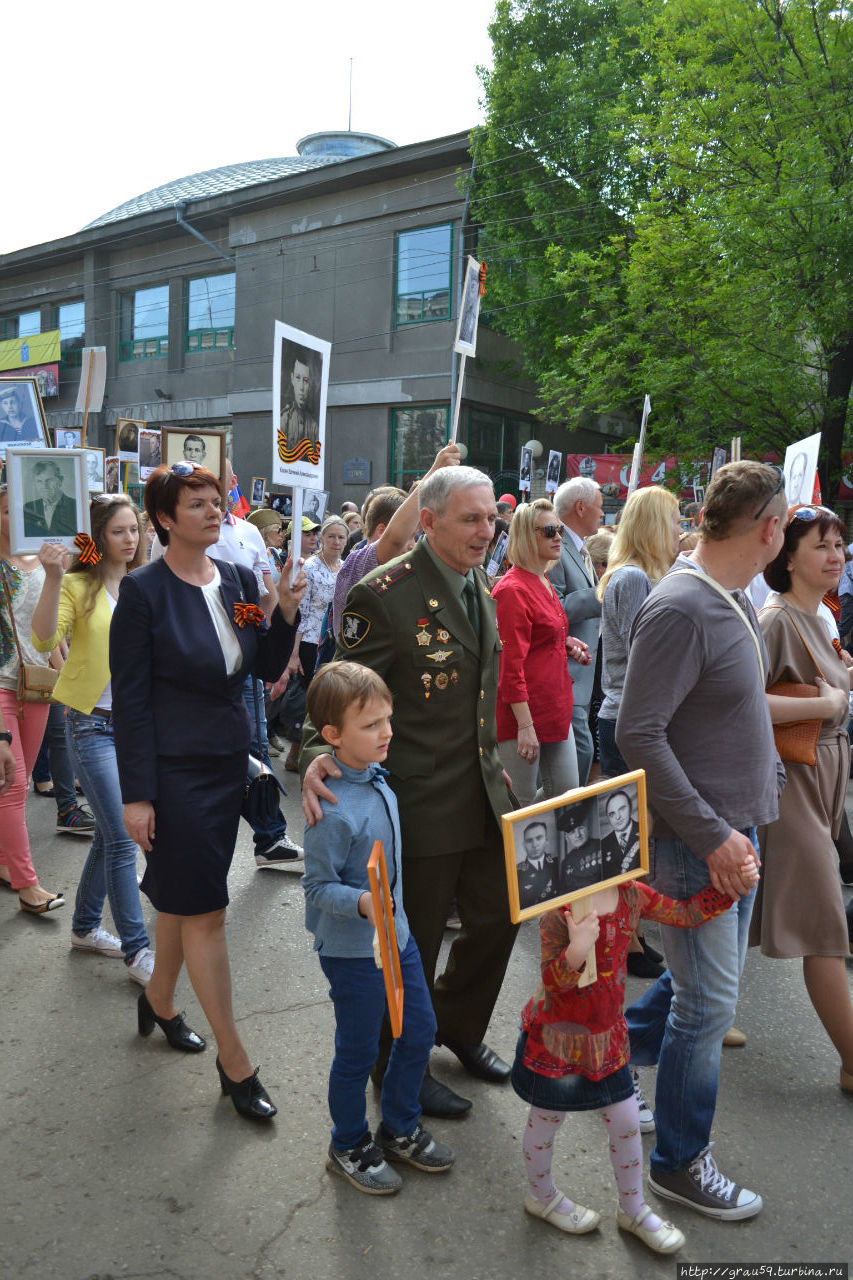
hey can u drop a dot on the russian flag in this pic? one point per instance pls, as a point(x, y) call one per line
point(236, 502)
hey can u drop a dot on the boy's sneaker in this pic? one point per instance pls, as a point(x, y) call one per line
point(100, 940)
point(365, 1167)
point(702, 1187)
point(647, 1116)
point(281, 851)
point(419, 1149)
point(141, 966)
point(78, 821)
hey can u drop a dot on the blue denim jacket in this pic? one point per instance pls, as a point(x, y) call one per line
point(336, 852)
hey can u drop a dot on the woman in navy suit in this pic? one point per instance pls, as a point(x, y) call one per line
point(186, 631)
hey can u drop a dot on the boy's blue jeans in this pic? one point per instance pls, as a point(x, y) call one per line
point(680, 1021)
point(357, 990)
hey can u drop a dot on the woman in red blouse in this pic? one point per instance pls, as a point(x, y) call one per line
point(534, 712)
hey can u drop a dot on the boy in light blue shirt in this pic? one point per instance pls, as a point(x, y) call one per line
point(350, 706)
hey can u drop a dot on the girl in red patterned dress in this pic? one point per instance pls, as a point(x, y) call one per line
point(573, 1052)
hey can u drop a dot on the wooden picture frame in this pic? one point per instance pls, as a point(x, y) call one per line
point(22, 420)
point(112, 474)
point(383, 909)
point(205, 447)
point(127, 438)
point(565, 849)
point(257, 493)
point(96, 464)
point(66, 500)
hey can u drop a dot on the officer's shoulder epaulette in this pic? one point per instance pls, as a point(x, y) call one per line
point(395, 574)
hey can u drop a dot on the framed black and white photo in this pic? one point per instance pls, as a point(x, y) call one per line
point(300, 382)
point(314, 506)
point(283, 504)
point(48, 497)
point(469, 311)
point(207, 448)
point(127, 438)
point(67, 437)
point(149, 452)
point(22, 419)
point(565, 849)
point(95, 468)
point(258, 490)
point(552, 479)
point(112, 475)
point(525, 470)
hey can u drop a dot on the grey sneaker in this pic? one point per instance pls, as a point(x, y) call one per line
point(647, 1116)
point(702, 1187)
point(281, 852)
point(78, 821)
point(419, 1149)
point(364, 1166)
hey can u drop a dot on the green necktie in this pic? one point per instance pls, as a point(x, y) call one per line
point(472, 606)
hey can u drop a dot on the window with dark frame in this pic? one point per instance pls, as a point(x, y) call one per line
point(416, 437)
point(71, 323)
point(23, 325)
point(209, 313)
point(423, 277)
point(144, 323)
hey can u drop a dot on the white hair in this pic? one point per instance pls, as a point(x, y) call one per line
point(435, 491)
point(578, 489)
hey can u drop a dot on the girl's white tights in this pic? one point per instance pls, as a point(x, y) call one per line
point(626, 1156)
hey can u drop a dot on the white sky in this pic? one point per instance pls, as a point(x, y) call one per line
point(104, 101)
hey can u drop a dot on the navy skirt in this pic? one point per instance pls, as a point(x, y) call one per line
point(567, 1093)
point(196, 816)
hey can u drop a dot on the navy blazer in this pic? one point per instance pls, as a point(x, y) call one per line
point(171, 693)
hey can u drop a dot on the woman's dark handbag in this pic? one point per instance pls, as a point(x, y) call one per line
point(292, 711)
point(261, 791)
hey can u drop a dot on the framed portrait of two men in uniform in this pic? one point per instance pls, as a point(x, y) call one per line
point(565, 849)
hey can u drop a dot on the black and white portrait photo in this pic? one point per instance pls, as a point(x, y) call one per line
point(48, 497)
point(620, 828)
point(259, 488)
point(112, 480)
point(466, 333)
point(21, 417)
point(67, 437)
point(525, 470)
point(195, 449)
point(205, 448)
point(536, 861)
point(314, 505)
point(552, 478)
point(800, 469)
point(149, 452)
point(300, 385)
point(579, 853)
point(95, 469)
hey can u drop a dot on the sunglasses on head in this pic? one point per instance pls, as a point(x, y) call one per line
point(808, 513)
point(548, 530)
point(184, 468)
point(780, 485)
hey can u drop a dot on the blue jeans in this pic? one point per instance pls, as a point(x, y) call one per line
point(357, 990)
point(680, 1021)
point(612, 760)
point(54, 761)
point(110, 869)
point(265, 835)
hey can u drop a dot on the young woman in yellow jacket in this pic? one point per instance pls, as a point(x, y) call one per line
point(80, 603)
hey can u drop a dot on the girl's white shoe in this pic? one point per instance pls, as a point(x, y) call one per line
point(664, 1239)
point(579, 1221)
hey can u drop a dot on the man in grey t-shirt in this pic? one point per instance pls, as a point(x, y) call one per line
point(694, 715)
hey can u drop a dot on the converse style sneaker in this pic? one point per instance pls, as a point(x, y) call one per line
point(279, 853)
point(647, 1116)
point(364, 1166)
point(141, 966)
point(100, 940)
point(702, 1187)
point(419, 1149)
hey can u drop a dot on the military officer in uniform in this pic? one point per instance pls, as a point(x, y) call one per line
point(580, 861)
point(536, 870)
point(426, 623)
point(297, 422)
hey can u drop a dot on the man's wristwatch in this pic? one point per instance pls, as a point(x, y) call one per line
point(5, 736)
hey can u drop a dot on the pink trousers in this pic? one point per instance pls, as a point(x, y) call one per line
point(27, 734)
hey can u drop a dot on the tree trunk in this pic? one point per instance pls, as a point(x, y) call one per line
point(839, 383)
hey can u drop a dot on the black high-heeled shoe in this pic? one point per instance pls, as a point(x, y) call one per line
point(176, 1031)
point(249, 1096)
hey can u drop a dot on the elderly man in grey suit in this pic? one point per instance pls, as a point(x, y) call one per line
point(580, 508)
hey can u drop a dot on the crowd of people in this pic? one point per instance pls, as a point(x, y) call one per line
point(422, 700)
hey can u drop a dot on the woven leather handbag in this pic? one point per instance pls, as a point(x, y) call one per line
point(796, 742)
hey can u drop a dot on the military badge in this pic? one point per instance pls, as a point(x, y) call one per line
point(354, 629)
point(423, 637)
point(426, 681)
point(443, 636)
point(442, 680)
point(440, 655)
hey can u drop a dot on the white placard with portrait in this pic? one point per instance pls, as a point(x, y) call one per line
point(300, 382)
point(801, 469)
point(48, 497)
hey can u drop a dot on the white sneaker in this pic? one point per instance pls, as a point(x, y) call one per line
point(100, 940)
point(141, 966)
point(647, 1116)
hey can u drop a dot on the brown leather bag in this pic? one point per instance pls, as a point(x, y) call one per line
point(35, 683)
point(796, 742)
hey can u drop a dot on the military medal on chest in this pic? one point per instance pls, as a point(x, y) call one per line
point(423, 636)
point(426, 681)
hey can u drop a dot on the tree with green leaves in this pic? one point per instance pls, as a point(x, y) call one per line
point(727, 291)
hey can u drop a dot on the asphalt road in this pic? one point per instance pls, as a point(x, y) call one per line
point(121, 1159)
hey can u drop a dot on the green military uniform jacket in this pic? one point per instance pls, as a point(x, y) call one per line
point(404, 622)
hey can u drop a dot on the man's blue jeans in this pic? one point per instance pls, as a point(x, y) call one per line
point(357, 990)
point(110, 869)
point(680, 1021)
point(54, 761)
point(265, 836)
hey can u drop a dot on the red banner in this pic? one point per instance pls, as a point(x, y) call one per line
point(612, 471)
point(46, 376)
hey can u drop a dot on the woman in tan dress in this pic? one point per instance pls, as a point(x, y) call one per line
point(799, 909)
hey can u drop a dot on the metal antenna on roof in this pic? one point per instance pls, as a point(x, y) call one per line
point(349, 119)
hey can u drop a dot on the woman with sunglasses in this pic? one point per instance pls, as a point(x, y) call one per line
point(80, 603)
point(799, 911)
point(186, 632)
point(534, 710)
